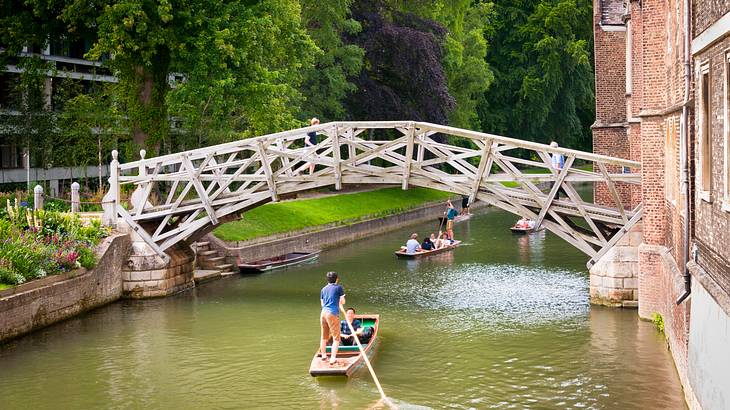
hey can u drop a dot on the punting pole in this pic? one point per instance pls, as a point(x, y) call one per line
point(367, 361)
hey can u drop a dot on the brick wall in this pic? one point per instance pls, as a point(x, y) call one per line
point(706, 12)
point(712, 222)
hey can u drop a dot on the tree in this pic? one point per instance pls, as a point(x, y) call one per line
point(541, 55)
point(327, 83)
point(239, 60)
point(403, 76)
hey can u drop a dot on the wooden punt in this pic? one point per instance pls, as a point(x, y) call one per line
point(277, 262)
point(402, 252)
point(519, 230)
point(349, 358)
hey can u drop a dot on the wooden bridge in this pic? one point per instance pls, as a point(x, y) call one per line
point(181, 196)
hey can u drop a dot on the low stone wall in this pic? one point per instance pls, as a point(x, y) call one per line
point(43, 302)
point(328, 237)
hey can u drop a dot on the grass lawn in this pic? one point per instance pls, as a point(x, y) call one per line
point(275, 218)
point(4, 286)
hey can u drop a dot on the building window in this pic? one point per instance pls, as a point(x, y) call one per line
point(704, 151)
point(726, 118)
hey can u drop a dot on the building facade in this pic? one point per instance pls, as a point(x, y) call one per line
point(662, 85)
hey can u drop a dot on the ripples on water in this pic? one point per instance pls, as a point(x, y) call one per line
point(500, 298)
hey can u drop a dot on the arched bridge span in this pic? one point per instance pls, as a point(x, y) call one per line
point(180, 195)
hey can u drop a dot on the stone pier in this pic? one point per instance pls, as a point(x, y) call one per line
point(614, 279)
point(147, 275)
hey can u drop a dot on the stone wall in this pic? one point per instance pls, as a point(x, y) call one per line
point(146, 275)
point(614, 279)
point(43, 302)
point(328, 237)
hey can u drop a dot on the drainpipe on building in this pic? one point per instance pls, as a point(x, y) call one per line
point(684, 155)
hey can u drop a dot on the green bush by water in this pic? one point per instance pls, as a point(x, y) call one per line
point(658, 321)
point(289, 216)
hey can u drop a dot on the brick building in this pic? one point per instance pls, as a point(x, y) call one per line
point(663, 98)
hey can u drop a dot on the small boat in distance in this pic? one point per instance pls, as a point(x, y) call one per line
point(349, 358)
point(524, 226)
point(402, 252)
point(276, 262)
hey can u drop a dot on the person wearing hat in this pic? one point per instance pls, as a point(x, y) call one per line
point(331, 297)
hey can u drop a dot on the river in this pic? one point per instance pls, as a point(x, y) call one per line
point(501, 322)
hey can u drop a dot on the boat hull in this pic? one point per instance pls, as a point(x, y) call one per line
point(402, 254)
point(349, 358)
point(277, 262)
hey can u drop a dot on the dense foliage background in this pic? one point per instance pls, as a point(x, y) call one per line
point(198, 72)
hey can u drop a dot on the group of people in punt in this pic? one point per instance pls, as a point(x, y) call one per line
point(433, 241)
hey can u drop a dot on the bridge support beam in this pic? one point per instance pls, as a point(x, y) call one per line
point(614, 278)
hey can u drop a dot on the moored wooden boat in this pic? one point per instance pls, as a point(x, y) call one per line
point(349, 358)
point(277, 262)
point(402, 252)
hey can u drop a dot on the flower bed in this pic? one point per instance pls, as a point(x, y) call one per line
point(35, 244)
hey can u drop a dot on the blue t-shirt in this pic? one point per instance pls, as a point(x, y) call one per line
point(345, 330)
point(451, 214)
point(330, 296)
point(312, 137)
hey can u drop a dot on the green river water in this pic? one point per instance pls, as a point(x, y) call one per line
point(501, 322)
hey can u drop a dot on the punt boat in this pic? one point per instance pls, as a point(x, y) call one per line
point(349, 358)
point(276, 262)
point(402, 252)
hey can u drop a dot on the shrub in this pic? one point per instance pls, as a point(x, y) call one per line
point(87, 259)
point(658, 321)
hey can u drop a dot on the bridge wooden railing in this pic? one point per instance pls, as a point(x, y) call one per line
point(182, 195)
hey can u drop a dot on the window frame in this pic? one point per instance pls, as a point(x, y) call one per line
point(726, 132)
point(704, 140)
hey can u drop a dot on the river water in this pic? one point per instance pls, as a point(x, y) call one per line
point(501, 322)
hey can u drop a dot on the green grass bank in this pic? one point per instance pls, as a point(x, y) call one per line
point(276, 218)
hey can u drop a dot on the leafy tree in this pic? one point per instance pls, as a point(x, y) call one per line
point(542, 59)
point(403, 75)
point(327, 83)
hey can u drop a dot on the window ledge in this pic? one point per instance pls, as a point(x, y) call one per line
point(726, 206)
point(705, 196)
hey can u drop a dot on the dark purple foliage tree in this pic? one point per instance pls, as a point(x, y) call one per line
point(403, 77)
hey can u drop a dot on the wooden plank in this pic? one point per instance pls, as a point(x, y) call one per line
point(336, 157)
point(614, 194)
point(554, 191)
point(267, 171)
point(142, 234)
point(199, 189)
point(409, 157)
point(485, 166)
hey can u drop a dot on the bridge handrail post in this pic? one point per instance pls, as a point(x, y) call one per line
point(111, 199)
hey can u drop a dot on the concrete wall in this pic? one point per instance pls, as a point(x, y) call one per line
point(326, 238)
point(40, 303)
point(709, 350)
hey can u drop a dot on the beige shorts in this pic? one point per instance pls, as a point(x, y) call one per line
point(449, 224)
point(330, 325)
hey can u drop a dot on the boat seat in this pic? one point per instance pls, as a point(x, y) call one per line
point(365, 324)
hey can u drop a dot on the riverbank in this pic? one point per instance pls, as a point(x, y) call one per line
point(309, 214)
point(327, 236)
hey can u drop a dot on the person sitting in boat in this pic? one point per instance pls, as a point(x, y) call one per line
point(427, 244)
point(443, 240)
point(525, 223)
point(434, 240)
point(346, 338)
point(412, 246)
